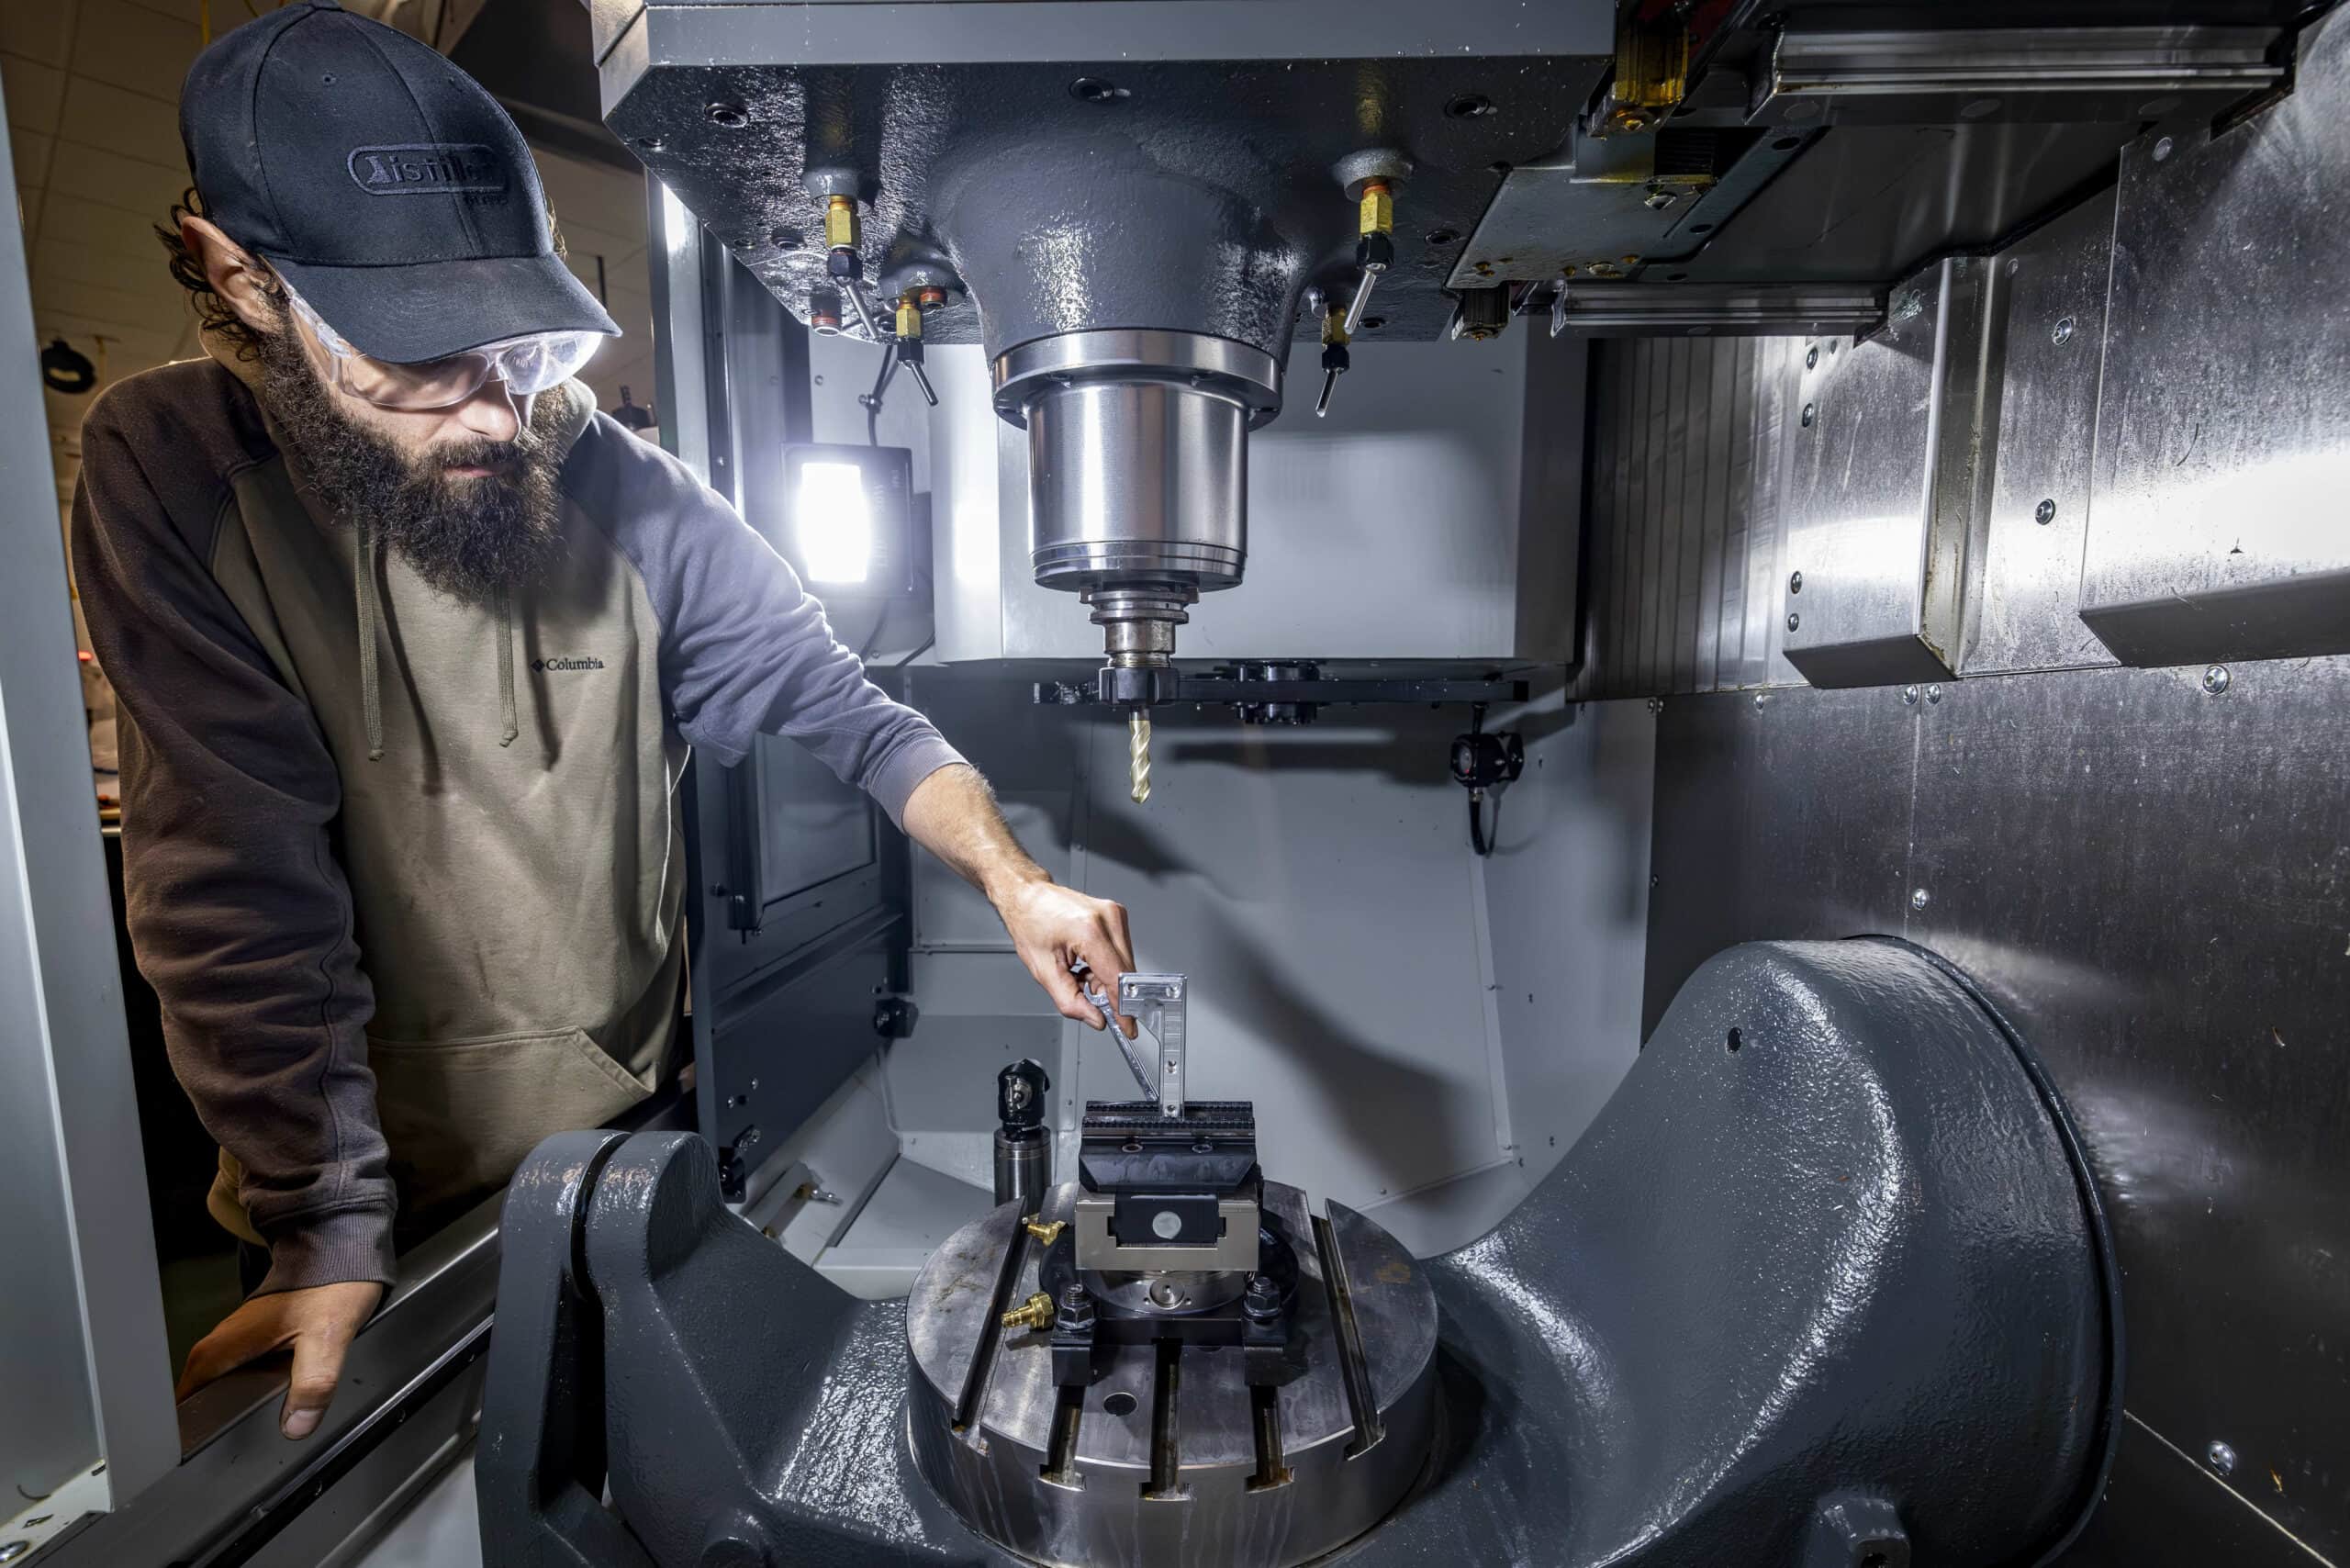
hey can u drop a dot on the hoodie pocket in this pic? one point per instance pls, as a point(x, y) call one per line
point(460, 1115)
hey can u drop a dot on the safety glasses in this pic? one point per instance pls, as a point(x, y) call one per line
point(528, 365)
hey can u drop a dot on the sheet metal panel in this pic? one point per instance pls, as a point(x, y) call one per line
point(1883, 490)
point(2151, 882)
point(1684, 521)
point(2023, 614)
point(2223, 448)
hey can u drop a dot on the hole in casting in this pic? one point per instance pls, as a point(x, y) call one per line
point(1736, 1040)
point(1123, 1405)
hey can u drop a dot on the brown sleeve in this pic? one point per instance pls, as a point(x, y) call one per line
point(239, 916)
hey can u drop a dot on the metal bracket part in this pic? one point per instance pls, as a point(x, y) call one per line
point(1914, 76)
point(1284, 697)
point(1155, 1002)
point(1726, 309)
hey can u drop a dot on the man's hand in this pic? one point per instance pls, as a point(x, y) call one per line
point(319, 1324)
point(1053, 928)
point(953, 815)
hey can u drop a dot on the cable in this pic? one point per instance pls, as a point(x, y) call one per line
point(918, 653)
point(872, 400)
point(1477, 840)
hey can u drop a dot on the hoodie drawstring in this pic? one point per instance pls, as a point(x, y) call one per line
point(364, 548)
point(371, 696)
point(506, 668)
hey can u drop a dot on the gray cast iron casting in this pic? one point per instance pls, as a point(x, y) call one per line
point(1824, 1284)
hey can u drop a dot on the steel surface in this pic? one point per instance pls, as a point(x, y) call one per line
point(2147, 879)
point(2224, 446)
point(1109, 1501)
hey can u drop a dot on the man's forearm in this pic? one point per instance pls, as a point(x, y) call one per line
point(953, 814)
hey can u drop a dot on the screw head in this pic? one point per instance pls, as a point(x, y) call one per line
point(2164, 148)
point(1933, 694)
point(1795, 582)
point(2045, 512)
point(1810, 413)
point(2216, 679)
point(1811, 357)
point(733, 116)
point(2062, 331)
point(1910, 696)
point(12, 1550)
point(1794, 619)
point(1757, 702)
point(1919, 898)
point(1165, 1225)
point(2221, 1456)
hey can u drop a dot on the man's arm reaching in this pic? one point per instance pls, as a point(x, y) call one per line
point(953, 815)
point(745, 651)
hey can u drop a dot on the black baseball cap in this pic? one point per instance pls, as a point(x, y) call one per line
point(381, 182)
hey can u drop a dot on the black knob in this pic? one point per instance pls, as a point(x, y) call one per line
point(1020, 1092)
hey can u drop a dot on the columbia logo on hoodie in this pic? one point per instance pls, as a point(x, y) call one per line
point(589, 663)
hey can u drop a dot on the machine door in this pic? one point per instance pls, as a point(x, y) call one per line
point(797, 914)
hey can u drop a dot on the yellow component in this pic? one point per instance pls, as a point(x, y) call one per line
point(1652, 71)
point(1036, 1311)
point(1139, 756)
point(1334, 327)
point(840, 223)
point(908, 317)
point(1376, 214)
point(1048, 1234)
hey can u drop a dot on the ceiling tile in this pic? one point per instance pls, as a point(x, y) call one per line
point(70, 216)
point(132, 183)
point(37, 30)
point(31, 152)
point(131, 124)
point(34, 90)
point(136, 311)
point(139, 49)
point(131, 347)
point(226, 14)
point(140, 271)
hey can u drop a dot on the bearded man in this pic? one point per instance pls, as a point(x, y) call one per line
point(410, 645)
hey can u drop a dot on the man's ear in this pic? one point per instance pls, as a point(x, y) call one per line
point(236, 275)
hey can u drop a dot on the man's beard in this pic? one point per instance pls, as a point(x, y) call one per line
point(473, 537)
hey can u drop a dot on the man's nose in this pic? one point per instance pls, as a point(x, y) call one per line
point(491, 412)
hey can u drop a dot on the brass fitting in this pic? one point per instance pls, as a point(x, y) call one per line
point(1036, 1311)
point(840, 223)
point(1376, 212)
point(931, 298)
point(1333, 328)
point(1048, 1234)
point(909, 317)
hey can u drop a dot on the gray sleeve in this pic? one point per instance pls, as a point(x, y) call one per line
point(745, 649)
point(239, 914)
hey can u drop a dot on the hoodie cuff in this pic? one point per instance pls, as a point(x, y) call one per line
point(893, 783)
point(355, 1245)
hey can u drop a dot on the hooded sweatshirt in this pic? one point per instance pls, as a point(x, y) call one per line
point(406, 873)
